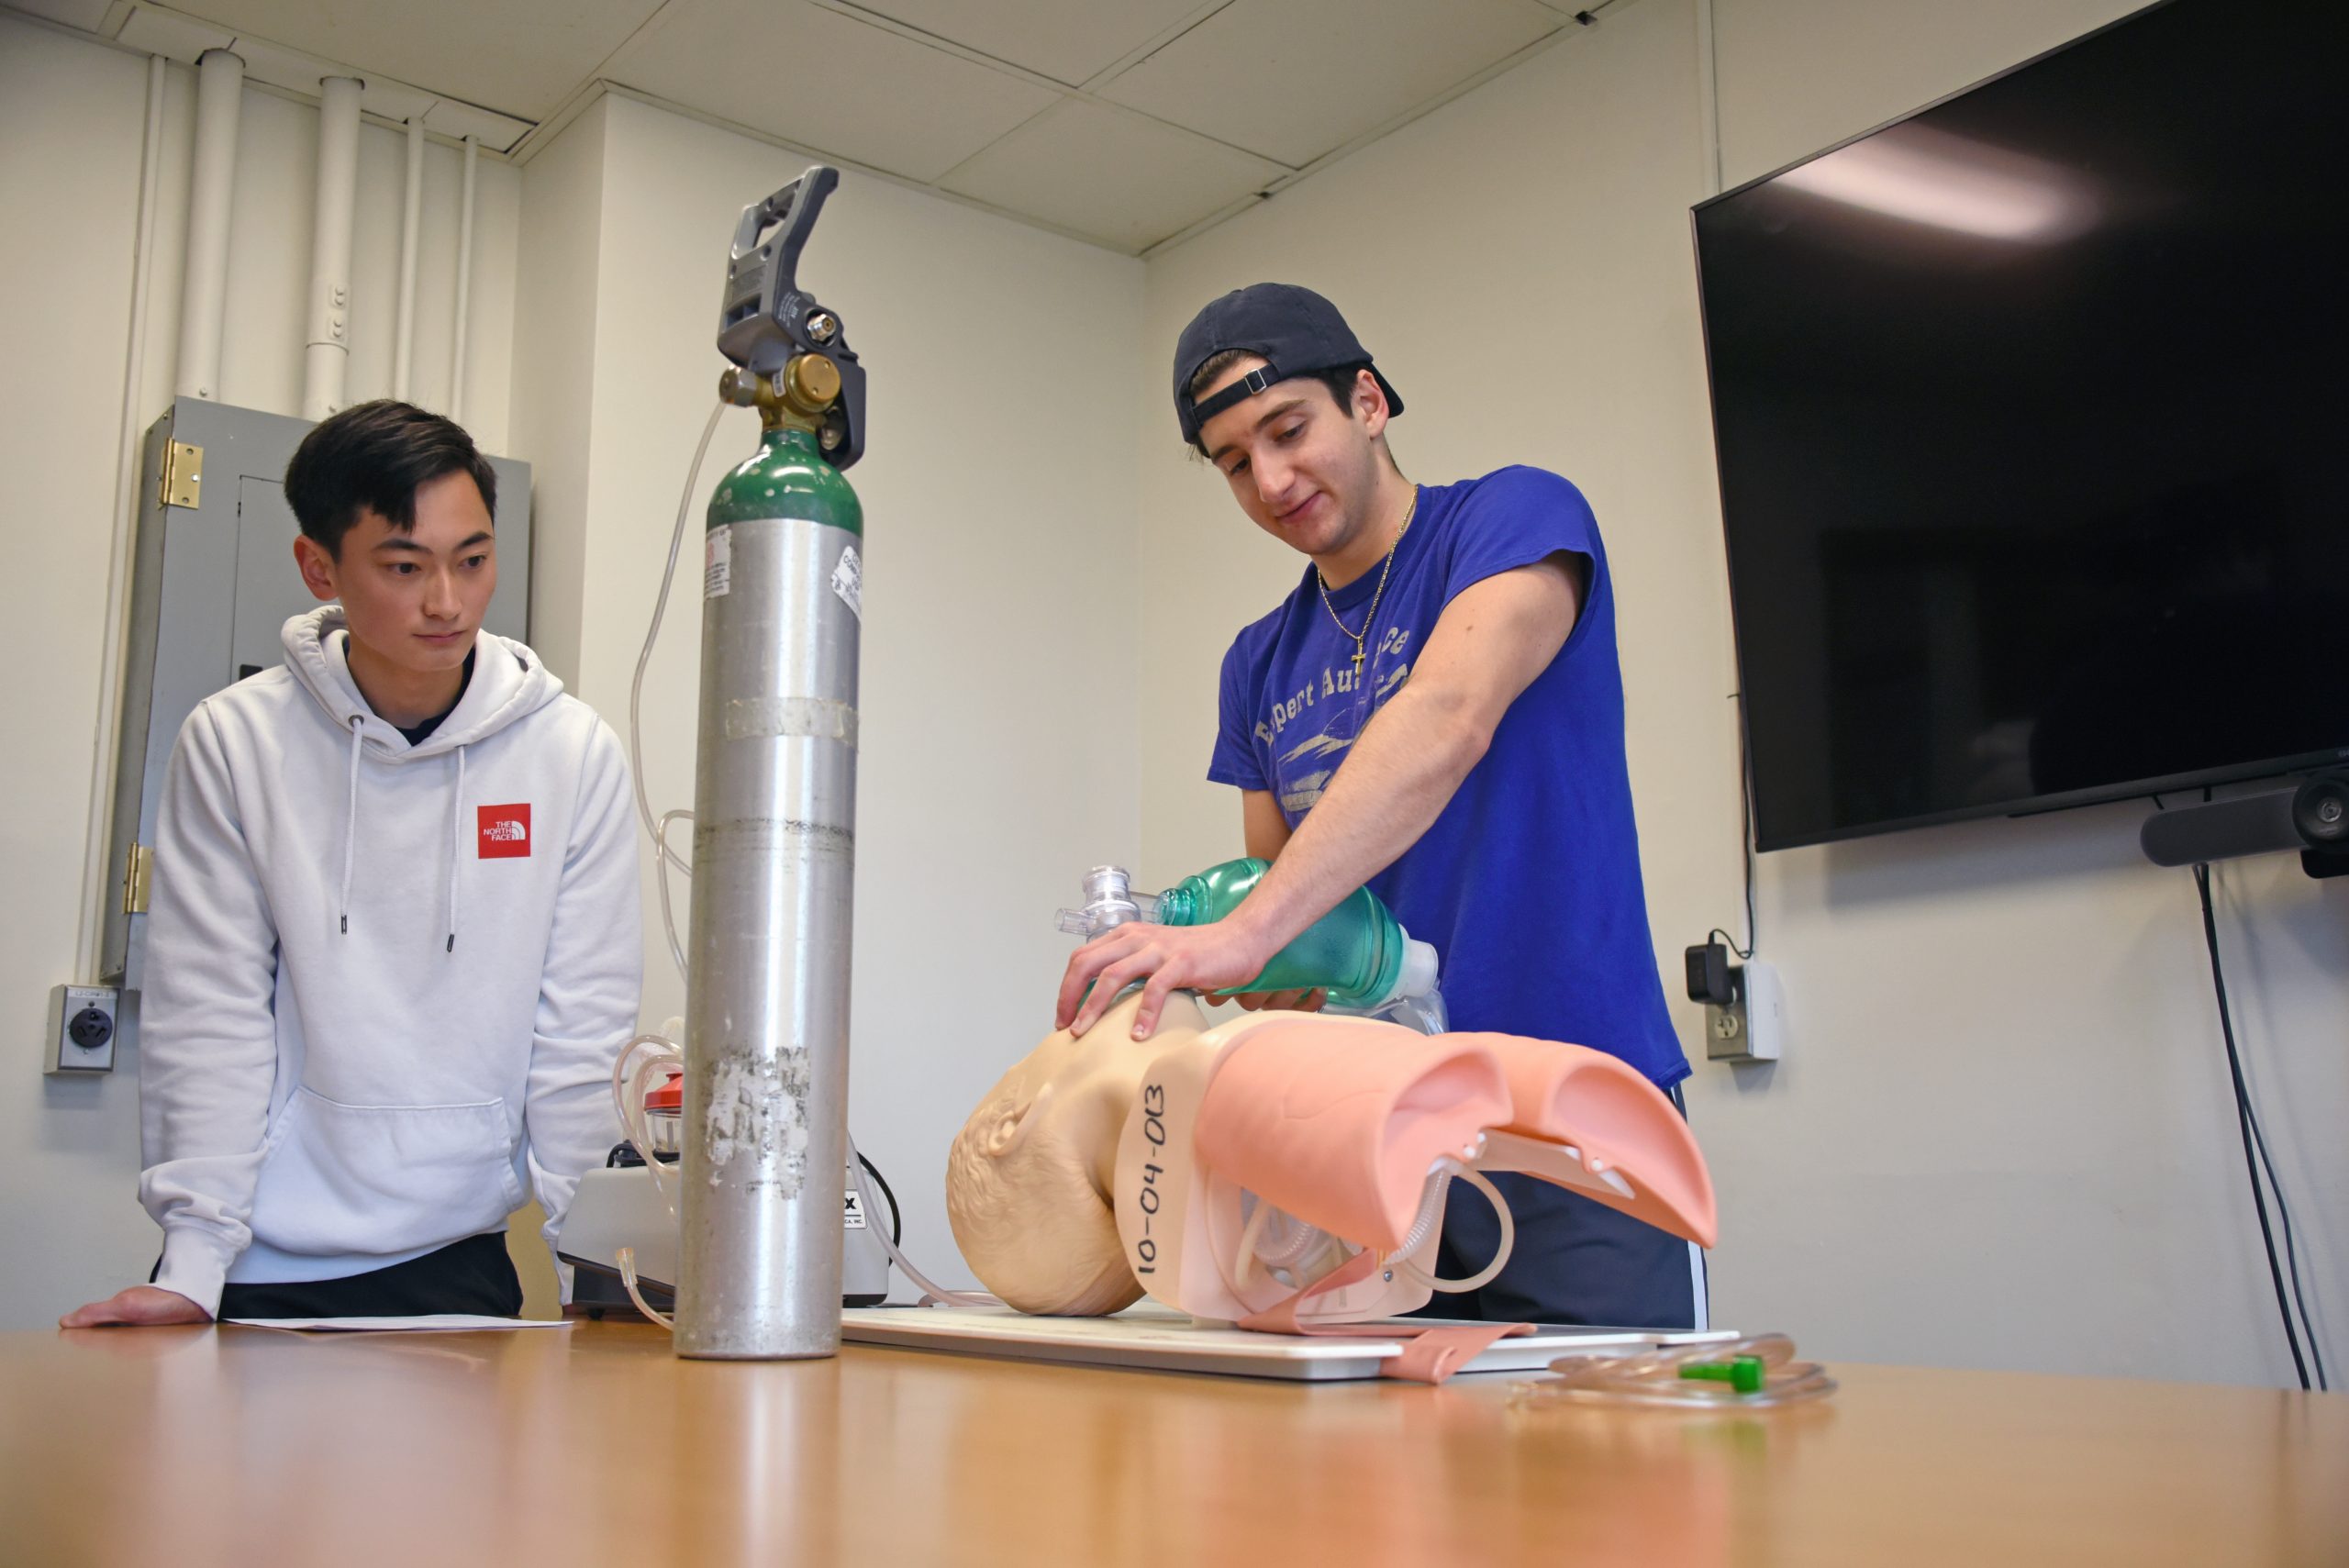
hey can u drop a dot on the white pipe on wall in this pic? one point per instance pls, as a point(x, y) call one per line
point(105, 744)
point(411, 208)
point(464, 281)
point(327, 357)
point(204, 289)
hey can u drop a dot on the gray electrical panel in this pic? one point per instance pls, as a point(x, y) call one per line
point(214, 583)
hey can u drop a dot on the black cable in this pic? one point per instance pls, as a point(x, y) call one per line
point(2282, 1208)
point(2291, 1247)
point(1745, 836)
point(896, 1223)
point(2291, 1257)
point(2247, 1123)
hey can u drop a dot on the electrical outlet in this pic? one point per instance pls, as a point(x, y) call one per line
point(1725, 1031)
point(1752, 1026)
point(81, 1022)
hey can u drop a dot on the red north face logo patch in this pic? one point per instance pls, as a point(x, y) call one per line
point(505, 832)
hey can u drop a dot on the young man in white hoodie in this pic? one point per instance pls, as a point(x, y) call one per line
point(393, 946)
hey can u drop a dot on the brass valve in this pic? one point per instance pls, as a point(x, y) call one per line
point(799, 396)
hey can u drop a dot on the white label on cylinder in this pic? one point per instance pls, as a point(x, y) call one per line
point(848, 582)
point(718, 561)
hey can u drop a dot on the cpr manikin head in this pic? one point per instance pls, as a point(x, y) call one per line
point(1028, 1179)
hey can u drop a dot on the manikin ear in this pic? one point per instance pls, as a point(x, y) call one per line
point(1011, 1128)
point(318, 568)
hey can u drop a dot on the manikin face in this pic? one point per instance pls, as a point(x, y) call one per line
point(1030, 1177)
point(414, 598)
point(1304, 469)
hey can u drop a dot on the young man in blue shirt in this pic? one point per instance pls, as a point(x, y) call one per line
point(1435, 711)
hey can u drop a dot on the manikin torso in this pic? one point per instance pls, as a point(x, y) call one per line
point(1340, 1123)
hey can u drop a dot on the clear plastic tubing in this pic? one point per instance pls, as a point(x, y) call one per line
point(651, 636)
point(921, 1281)
point(1683, 1377)
point(1447, 1168)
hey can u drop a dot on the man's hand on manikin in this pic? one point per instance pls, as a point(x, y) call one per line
point(1175, 958)
point(140, 1307)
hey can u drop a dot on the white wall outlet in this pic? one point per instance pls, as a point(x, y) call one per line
point(1754, 1027)
point(82, 1027)
point(1725, 1031)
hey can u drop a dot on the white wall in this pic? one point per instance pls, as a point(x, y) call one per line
point(999, 744)
point(2002, 1135)
point(72, 116)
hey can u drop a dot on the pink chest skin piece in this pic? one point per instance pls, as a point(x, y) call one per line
point(1600, 1106)
point(1343, 1118)
point(1340, 1122)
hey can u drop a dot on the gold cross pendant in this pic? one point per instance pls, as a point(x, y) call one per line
point(1357, 658)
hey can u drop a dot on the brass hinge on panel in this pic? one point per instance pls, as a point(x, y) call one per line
point(183, 474)
point(136, 876)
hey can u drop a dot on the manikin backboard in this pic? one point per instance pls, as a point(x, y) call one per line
point(1151, 1338)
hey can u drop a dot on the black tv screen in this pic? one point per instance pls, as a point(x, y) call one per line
point(2033, 433)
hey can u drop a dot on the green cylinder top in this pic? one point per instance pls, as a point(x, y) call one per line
point(787, 477)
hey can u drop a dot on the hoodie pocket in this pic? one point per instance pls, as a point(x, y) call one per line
point(344, 1179)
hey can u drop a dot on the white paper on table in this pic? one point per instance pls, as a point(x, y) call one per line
point(438, 1322)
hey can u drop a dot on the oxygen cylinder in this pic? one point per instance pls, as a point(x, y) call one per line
point(774, 842)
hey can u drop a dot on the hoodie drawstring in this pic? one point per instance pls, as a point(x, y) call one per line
point(351, 824)
point(456, 844)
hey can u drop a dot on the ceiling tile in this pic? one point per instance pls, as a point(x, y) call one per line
point(1295, 78)
point(152, 31)
point(1123, 179)
point(1068, 40)
point(85, 15)
point(523, 57)
point(854, 90)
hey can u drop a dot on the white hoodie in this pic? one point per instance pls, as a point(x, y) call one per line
point(383, 981)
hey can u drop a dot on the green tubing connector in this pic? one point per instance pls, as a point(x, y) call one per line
point(1744, 1373)
point(1355, 951)
point(787, 477)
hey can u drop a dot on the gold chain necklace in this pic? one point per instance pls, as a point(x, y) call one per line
point(1378, 593)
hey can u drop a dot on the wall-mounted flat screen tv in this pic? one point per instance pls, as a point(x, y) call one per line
point(2031, 413)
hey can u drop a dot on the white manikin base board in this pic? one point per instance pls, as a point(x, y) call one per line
point(1156, 1339)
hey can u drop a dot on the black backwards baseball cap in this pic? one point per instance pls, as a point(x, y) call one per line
point(1296, 331)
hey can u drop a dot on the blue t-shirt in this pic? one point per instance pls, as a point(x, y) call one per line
point(1529, 882)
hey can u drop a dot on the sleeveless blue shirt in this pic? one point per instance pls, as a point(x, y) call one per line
point(1528, 884)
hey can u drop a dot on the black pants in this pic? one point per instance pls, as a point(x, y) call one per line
point(1575, 1261)
point(473, 1275)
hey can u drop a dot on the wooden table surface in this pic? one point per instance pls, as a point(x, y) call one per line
point(595, 1445)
